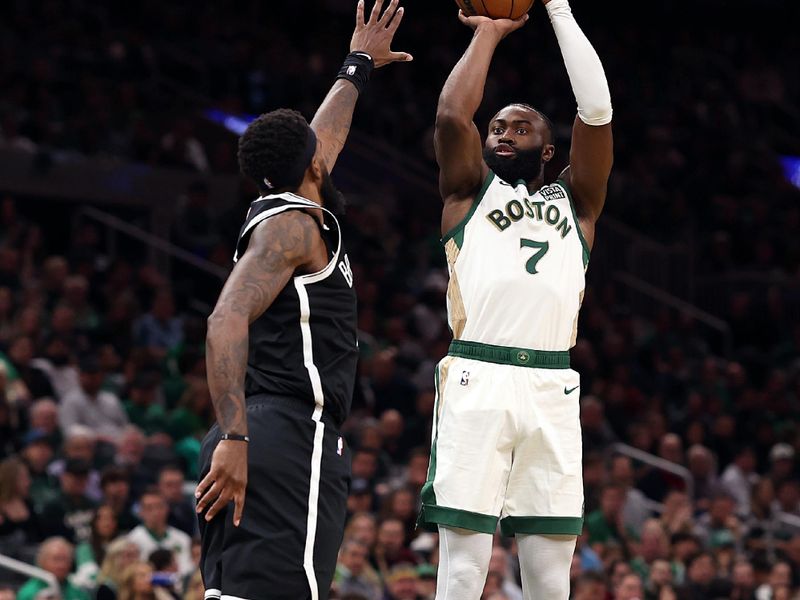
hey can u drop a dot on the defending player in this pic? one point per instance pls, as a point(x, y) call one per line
point(507, 443)
point(282, 353)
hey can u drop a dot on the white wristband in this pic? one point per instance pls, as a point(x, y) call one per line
point(583, 66)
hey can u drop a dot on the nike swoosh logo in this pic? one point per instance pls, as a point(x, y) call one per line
point(566, 391)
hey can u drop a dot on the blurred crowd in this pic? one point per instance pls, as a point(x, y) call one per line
point(103, 398)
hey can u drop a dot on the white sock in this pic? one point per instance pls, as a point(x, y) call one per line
point(463, 564)
point(544, 562)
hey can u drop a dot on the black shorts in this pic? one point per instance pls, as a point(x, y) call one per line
point(294, 511)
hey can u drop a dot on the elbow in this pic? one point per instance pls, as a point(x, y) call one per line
point(221, 322)
point(597, 113)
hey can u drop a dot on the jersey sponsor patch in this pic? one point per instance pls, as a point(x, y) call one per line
point(552, 192)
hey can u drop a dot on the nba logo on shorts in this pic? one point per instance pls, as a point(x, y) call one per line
point(464, 377)
point(339, 446)
point(351, 70)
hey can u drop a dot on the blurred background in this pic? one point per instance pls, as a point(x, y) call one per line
point(120, 202)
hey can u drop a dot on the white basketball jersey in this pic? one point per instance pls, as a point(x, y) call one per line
point(517, 267)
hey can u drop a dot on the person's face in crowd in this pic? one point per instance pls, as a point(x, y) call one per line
point(44, 416)
point(391, 537)
point(403, 505)
point(363, 530)
point(80, 447)
point(57, 353)
point(131, 448)
point(63, 320)
point(91, 381)
point(21, 351)
point(7, 594)
point(781, 574)
point(764, 492)
point(57, 559)
point(684, 549)
point(671, 448)
point(129, 555)
point(354, 557)
point(630, 588)
point(360, 502)
point(371, 438)
point(403, 588)
point(106, 522)
point(789, 495)
point(170, 484)
point(792, 549)
point(620, 571)
point(38, 456)
point(701, 570)
point(700, 463)
point(782, 468)
point(417, 470)
point(591, 590)
point(392, 425)
point(622, 471)
point(154, 512)
point(116, 492)
point(654, 542)
point(142, 579)
point(364, 465)
point(747, 461)
point(660, 573)
point(743, 576)
point(611, 502)
point(74, 484)
point(721, 509)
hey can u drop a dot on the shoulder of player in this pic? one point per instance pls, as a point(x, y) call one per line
point(290, 236)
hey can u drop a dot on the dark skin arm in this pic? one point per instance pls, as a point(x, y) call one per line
point(457, 143)
point(283, 244)
point(374, 37)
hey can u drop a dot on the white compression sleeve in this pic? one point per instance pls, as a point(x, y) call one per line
point(583, 66)
point(463, 564)
point(544, 561)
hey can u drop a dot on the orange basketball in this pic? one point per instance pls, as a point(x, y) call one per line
point(496, 9)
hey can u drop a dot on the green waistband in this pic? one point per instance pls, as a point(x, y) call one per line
point(506, 355)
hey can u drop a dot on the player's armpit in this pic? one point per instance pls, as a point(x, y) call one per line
point(590, 160)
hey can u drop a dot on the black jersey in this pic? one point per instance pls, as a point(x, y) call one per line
point(305, 344)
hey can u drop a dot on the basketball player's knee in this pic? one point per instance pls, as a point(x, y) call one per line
point(466, 572)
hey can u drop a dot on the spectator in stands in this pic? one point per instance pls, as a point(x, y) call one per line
point(137, 584)
point(654, 546)
point(129, 455)
point(361, 498)
point(635, 510)
point(782, 464)
point(739, 477)
point(91, 406)
point(390, 548)
point(401, 504)
point(354, 574)
point(181, 508)
point(701, 579)
point(37, 454)
point(590, 586)
point(56, 365)
point(20, 355)
point(7, 592)
point(43, 417)
point(401, 582)
point(780, 577)
point(180, 148)
point(743, 581)
point(142, 407)
point(19, 524)
point(659, 581)
point(89, 555)
point(657, 483)
point(595, 429)
point(80, 444)
point(629, 588)
point(700, 462)
point(605, 525)
point(116, 489)
point(120, 554)
point(70, 515)
point(787, 497)
point(159, 330)
point(719, 525)
point(55, 556)
point(154, 532)
point(362, 527)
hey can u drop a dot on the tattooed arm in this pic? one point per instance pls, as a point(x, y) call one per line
point(277, 247)
point(374, 37)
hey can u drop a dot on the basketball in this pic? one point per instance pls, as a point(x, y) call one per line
point(496, 9)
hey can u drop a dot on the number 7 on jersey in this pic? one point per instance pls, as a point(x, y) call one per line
point(541, 250)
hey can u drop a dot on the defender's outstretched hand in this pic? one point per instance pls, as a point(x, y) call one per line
point(375, 35)
point(501, 26)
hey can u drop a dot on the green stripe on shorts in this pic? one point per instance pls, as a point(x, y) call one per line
point(463, 519)
point(542, 525)
point(507, 355)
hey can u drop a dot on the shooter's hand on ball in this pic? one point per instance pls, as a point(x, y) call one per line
point(375, 36)
point(225, 481)
point(501, 27)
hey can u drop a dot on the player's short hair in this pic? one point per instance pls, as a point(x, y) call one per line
point(271, 146)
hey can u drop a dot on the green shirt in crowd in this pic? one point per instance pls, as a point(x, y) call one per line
point(34, 586)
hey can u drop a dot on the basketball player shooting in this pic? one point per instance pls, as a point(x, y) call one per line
point(507, 412)
point(282, 351)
